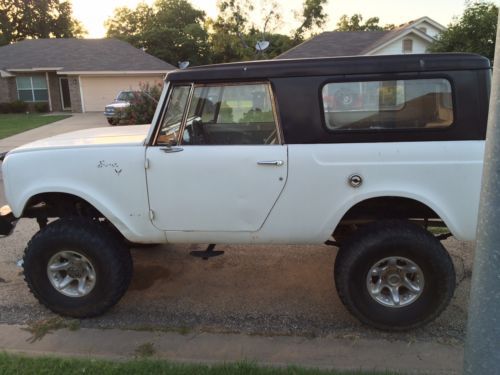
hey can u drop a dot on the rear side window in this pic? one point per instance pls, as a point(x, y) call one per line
point(398, 104)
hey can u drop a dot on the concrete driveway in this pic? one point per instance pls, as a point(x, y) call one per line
point(77, 121)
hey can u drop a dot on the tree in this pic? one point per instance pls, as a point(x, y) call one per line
point(313, 16)
point(474, 32)
point(354, 23)
point(130, 24)
point(234, 35)
point(171, 30)
point(21, 19)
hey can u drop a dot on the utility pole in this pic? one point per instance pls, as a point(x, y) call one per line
point(482, 344)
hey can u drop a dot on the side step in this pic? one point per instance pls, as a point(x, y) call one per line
point(208, 253)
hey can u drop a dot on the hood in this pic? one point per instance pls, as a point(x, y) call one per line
point(118, 104)
point(133, 135)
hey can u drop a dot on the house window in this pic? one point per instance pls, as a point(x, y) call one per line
point(407, 46)
point(32, 88)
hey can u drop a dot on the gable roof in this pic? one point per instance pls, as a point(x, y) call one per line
point(352, 43)
point(334, 43)
point(77, 55)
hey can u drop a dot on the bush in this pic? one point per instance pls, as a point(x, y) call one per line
point(42, 107)
point(18, 107)
point(4, 107)
point(142, 108)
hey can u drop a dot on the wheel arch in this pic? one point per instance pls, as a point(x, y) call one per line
point(392, 206)
point(60, 203)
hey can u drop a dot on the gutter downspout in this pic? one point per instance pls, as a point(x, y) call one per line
point(81, 94)
point(48, 90)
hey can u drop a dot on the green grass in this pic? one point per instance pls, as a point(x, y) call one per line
point(18, 364)
point(18, 123)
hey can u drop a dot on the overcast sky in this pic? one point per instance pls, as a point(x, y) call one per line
point(93, 13)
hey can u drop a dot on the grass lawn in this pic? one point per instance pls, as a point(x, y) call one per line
point(17, 364)
point(18, 123)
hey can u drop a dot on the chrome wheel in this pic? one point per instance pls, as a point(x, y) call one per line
point(71, 274)
point(395, 282)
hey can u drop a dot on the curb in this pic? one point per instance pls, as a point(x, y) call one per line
point(322, 353)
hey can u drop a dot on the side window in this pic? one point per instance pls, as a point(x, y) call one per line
point(401, 104)
point(172, 121)
point(231, 115)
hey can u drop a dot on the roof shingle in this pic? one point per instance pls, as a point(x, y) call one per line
point(335, 43)
point(79, 55)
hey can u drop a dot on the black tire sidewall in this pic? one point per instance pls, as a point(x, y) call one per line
point(397, 316)
point(89, 240)
point(415, 244)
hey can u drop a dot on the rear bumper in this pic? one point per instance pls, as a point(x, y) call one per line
point(7, 221)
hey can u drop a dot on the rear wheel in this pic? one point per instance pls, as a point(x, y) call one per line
point(77, 267)
point(394, 275)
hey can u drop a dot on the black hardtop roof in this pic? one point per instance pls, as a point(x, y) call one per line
point(263, 69)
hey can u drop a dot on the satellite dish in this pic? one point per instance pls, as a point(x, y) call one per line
point(262, 45)
point(183, 64)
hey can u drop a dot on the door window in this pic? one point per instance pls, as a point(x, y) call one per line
point(231, 115)
point(172, 121)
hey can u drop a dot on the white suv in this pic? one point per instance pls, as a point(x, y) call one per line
point(366, 153)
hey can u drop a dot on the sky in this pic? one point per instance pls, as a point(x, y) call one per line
point(93, 13)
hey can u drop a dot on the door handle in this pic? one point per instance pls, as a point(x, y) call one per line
point(277, 163)
point(171, 149)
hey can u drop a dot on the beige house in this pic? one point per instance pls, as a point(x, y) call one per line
point(412, 37)
point(78, 75)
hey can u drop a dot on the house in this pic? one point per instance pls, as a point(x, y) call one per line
point(412, 37)
point(78, 75)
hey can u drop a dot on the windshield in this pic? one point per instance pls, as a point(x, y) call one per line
point(125, 96)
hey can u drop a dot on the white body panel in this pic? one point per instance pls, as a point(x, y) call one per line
point(98, 165)
point(243, 202)
point(215, 188)
point(446, 176)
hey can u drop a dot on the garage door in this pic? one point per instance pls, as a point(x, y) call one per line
point(99, 91)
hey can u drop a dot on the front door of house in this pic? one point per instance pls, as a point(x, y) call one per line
point(65, 97)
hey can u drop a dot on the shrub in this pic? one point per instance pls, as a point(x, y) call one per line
point(42, 107)
point(18, 107)
point(4, 107)
point(143, 106)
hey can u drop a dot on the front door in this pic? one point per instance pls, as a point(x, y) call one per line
point(65, 97)
point(217, 163)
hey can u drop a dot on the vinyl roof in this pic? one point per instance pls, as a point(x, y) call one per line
point(331, 66)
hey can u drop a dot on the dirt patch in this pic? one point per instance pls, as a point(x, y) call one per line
point(146, 275)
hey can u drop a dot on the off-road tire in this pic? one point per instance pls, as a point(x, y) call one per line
point(394, 238)
point(109, 256)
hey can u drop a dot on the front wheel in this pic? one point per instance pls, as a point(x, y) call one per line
point(77, 267)
point(113, 121)
point(394, 275)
